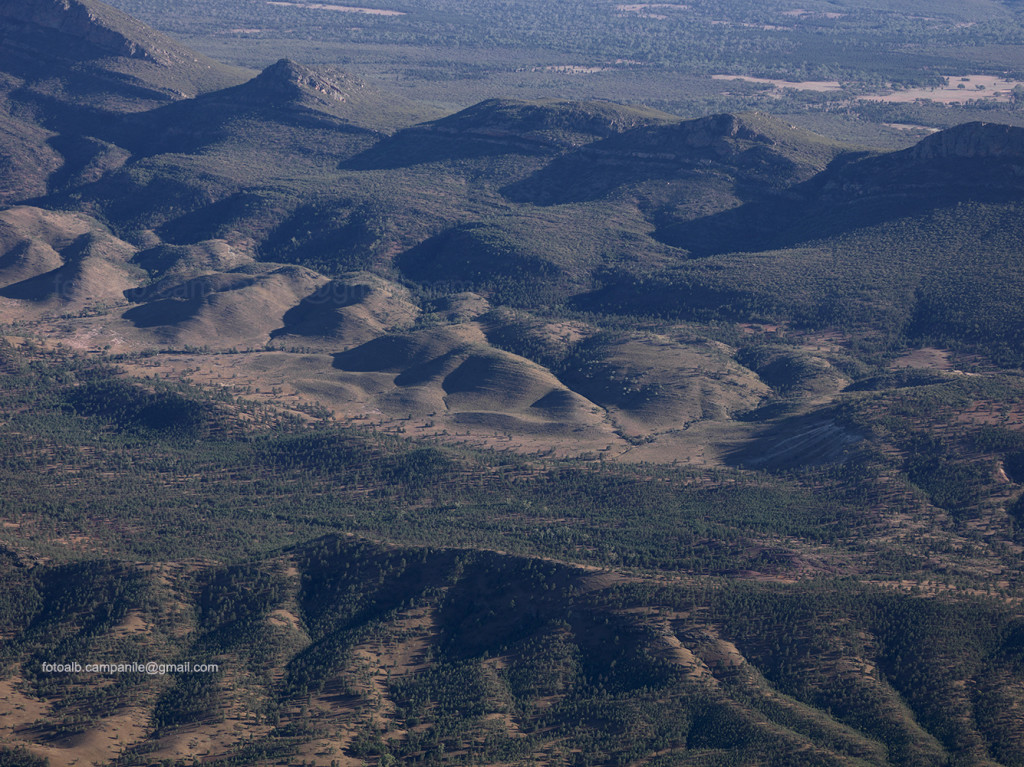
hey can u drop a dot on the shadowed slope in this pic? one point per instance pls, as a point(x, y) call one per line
point(503, 126)
point(68, 67)
point(285, 94)
point(26, 159)
point(981, 162)
point(454, 371)
point(351, 310)
point(745, 156)
point(87, 53)
point(232, 308)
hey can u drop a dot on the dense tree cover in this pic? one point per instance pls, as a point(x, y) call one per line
point(488, 260)
point(867, 43)
point(805, 640)
point(21, 757)
point(132, 408)
point(959, 469)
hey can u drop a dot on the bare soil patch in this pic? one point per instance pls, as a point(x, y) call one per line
point(928, 358)
point(339, 8)
point(957, 90)
point(819, 86)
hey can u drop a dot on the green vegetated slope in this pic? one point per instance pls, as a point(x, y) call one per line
point(916, 245)
point(68, 69)
point(97, 57)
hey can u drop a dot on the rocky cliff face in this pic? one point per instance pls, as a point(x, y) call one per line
point(964, 161)
point(101, 26)
point(710, 130)
point(972, 140)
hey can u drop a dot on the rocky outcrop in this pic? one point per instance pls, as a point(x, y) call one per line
point(292, 80)
point(972, 140)
point(288, 83)
point(706, 131)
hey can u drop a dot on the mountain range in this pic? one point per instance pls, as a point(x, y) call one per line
point(541, 209)
point(532, 432)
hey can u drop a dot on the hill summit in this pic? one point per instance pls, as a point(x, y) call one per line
point(558, 123)
point(287, 83)
point(291, 87)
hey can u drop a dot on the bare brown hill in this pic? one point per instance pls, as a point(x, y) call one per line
point(237, 308)
point(61, 262)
